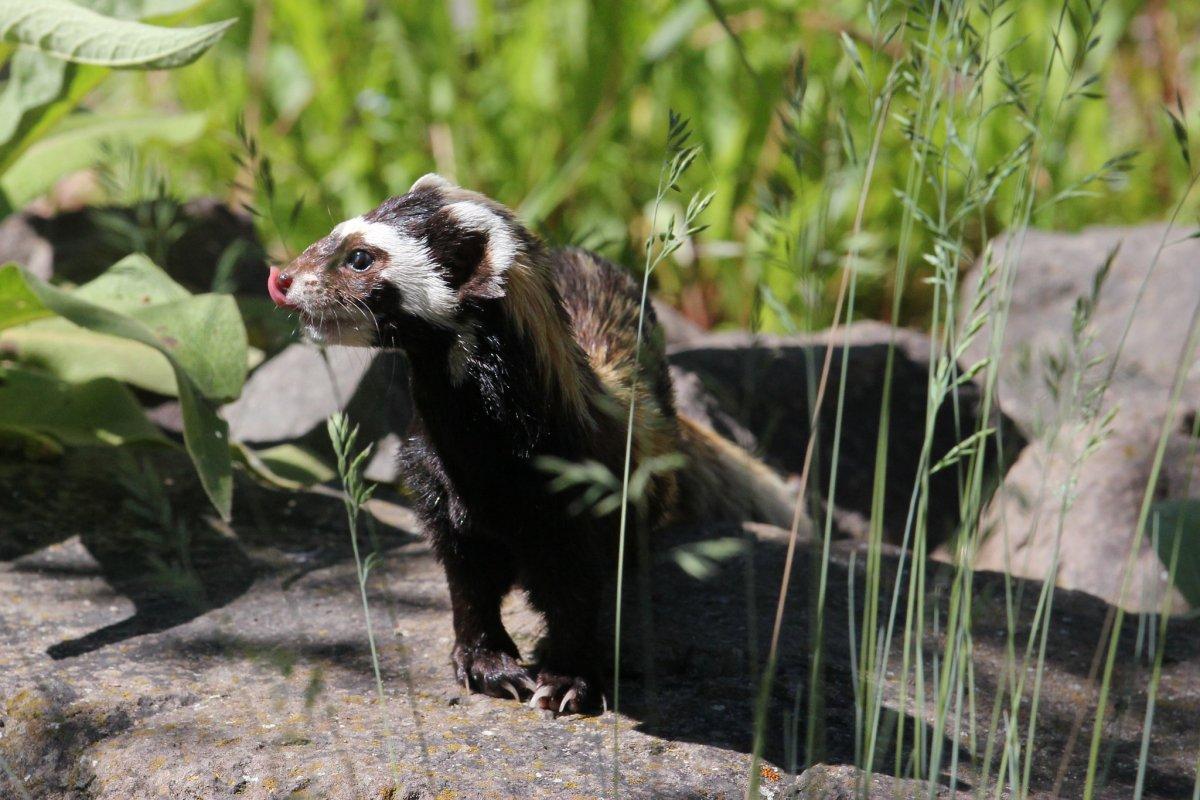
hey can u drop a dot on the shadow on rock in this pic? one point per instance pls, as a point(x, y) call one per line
point(169, 582)
point(692, 674)
point(720, 380)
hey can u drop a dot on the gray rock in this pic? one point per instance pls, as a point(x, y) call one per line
point(19, 242)
point(1053, 271)
point(1096, 535)
point(290, 396)
point(1086, 507)
point(191, 239)
point(269, 691)
point(759, 390)
point(678, 329)
point(844, 782)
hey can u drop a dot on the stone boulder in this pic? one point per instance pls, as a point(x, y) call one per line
point(203, 243)
point(759, 390)
point(1085, 541)
point(247, 672)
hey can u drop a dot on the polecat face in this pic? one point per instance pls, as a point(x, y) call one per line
point(415, 262)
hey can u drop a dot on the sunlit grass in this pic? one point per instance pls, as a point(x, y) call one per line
point(855, 162)
point(354, 100)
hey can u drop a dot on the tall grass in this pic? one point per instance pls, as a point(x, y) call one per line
point(356, 99)
point(857, 161)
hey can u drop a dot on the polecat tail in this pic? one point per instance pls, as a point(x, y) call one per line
point(721, 481)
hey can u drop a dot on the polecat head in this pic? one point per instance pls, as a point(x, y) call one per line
point(417, 263)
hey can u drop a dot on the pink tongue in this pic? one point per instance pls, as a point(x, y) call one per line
point(278, 293)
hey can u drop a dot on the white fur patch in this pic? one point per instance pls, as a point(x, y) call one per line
point(430, 180)
point(411, 269)
point(501, 246)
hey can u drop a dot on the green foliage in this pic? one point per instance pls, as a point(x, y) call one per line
point(63, 30)
point(201, 339)
point(356, 491)
point(556, 107)
point(204, 332)
point(63, 51)
point(50, 412)
point(1177, 525)
point(83, 140)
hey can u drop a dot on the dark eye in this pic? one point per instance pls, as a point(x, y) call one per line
point(359, 260)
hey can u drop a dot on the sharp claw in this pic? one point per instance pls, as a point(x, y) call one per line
point(508, 687)
point(528, 682)
point(603, 703)
point(568, 697)
point(543, 691)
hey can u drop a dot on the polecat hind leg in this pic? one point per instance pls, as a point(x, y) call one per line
point(569, 674)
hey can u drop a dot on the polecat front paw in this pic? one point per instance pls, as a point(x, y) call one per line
point(565, 693)
point(490, 671)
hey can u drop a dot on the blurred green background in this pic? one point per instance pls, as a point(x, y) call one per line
point(558, 108)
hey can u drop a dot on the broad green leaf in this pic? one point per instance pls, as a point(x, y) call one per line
point(75, 354)
point(34, 80)
point(137, 9)
point(205, 336)
point(70, 32)
point(78, 144)
point(1179, 520)
point(18, 305)
point(99, 412)
point(37, 121)
point(132, 283)
point(205, 434)
point(204, 333)
point(285, 466)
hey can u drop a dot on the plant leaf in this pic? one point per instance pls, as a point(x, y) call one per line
point(77, 144)
point(1180, 519)
point(34, 80)
point(18, 305)
point(205, 434)
point(285, 466)
point(203, 333)
point(137, 9)
point(72, 33)
point(99, 412)
point(75, 355)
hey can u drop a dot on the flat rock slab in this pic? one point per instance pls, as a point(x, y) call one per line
point(245, 670)
point(1069, 506)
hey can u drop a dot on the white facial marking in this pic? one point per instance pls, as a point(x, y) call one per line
point(502, 246)
point(411, 269)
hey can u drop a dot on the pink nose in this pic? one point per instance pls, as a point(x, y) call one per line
point(278, 284)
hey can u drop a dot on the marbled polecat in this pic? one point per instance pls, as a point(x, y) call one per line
point(517, 351)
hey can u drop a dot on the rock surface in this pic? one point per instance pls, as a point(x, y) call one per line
point(245, 671)
point(1155, 293)
point(202, 243)
point(759, 391)
point(843, 782)
point(1056, 269)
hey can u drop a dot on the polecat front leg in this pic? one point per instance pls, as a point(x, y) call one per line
point(484, 657)
point(480, 571)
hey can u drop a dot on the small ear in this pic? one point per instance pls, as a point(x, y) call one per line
point(502, 243)
point(430, 180)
